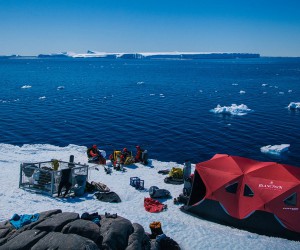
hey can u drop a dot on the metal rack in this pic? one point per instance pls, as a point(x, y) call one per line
point(45, 177)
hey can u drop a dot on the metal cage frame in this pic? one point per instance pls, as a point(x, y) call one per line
point(41, 177)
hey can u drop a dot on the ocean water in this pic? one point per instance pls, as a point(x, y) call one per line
point(163, 105)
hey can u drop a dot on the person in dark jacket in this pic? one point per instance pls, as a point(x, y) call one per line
point(124, 155)
point(65, 182)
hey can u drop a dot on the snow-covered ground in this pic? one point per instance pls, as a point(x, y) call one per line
point(190, 232)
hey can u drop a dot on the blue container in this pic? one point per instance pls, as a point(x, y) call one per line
point(79, 187)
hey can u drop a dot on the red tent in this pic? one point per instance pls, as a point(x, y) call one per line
point(262, 197)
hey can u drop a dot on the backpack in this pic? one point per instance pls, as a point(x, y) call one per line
point(176, 173)
point(156, 192)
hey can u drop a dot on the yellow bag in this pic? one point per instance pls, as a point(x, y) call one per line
point(55, 164)
point(176, 173)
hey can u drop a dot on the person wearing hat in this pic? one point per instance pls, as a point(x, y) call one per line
point(141, 155)
point(138, 156)
point(124, 155)
point(95, 155)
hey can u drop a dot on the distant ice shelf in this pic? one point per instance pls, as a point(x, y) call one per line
point(152, 55)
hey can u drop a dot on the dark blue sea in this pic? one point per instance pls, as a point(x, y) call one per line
point(162, 105)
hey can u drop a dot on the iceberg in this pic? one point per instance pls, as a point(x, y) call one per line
point(294, 105)
point(275, 149)
point(234, 109)
point(26, 87)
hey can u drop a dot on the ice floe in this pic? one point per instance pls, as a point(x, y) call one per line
point(42, 97)
point(26, 87)
point(275, 149)
point(234, 109)
point(294, 105)
point(60, 87)
point(242, 92)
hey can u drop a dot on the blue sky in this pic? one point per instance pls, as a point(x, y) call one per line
point(30, 27)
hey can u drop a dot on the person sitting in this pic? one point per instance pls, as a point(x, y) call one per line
point(95, 155)
point(138, 156)
point(141, 155)
point(124, 155)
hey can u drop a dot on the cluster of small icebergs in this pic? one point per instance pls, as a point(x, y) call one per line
point(275, 149)
point(243, 109)
point(29, 86)
point(234, 109)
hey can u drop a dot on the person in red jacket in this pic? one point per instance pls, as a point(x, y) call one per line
point(141, 155)
point(95, 155)
point(138, 156)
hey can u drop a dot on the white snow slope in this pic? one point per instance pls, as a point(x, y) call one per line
point(190, 232)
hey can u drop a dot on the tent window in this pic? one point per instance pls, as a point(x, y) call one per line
point(291, 200)
point(248, 191)
point(232, 188)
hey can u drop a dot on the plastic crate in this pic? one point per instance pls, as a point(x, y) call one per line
point(137, 182)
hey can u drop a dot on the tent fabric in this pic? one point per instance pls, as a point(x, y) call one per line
point(243, 186)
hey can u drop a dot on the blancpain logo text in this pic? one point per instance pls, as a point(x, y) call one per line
point(270, 186)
